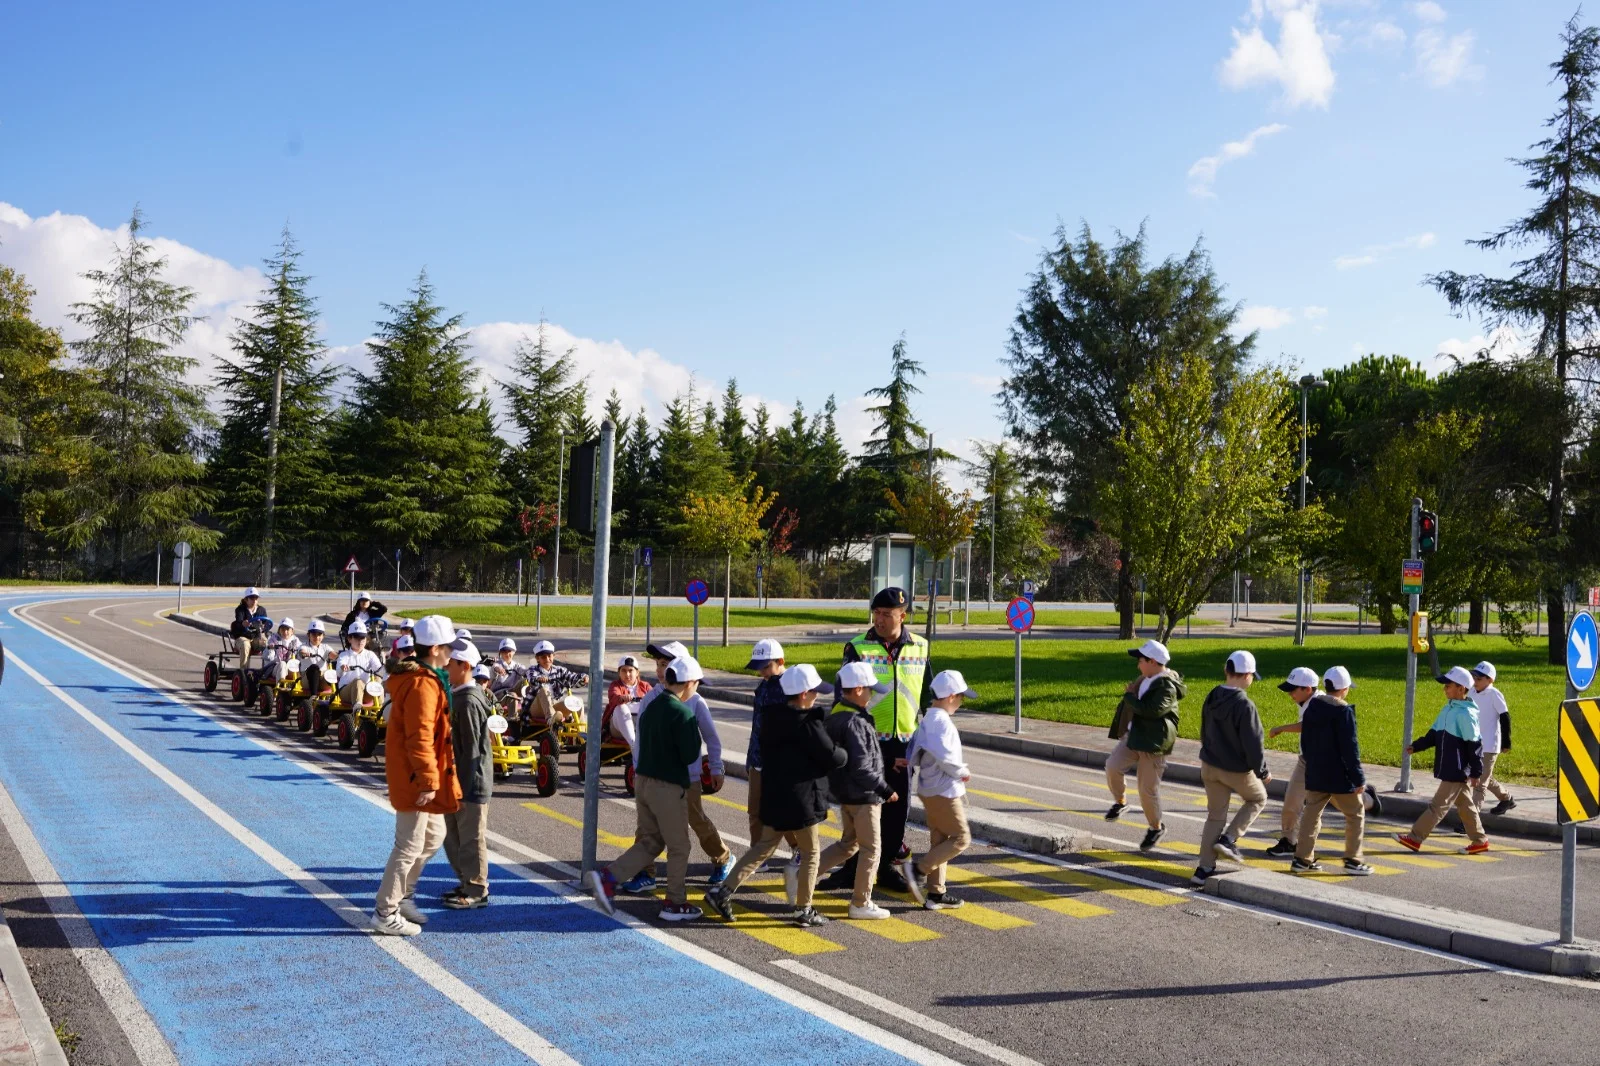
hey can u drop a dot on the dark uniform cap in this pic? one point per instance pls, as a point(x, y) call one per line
point(890, 597)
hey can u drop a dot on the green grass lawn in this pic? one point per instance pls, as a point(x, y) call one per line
point(675, 614)
point(1329, 616)
point(1081, 680)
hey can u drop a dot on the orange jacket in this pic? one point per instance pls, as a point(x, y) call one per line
point(418, 756)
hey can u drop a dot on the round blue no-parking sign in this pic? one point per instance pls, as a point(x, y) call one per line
point(1019, 615)
point(697, 592)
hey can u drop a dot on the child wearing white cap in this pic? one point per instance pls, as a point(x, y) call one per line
point(934, 755)
point(1145, 728)
point(1494, 723)
point(1331, 753)
point(1233, 762)
point(509, 677)
point(1301, 685)
point(1457, 763)
point(766, 659)
point(282, 646)
point(859, 787)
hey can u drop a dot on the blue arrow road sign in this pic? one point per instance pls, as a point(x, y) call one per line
point(1583, 643)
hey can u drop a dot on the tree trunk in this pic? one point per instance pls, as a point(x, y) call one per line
point(1125, 594)
point(727, 586)
point(1385, 612)
point(1475, 616)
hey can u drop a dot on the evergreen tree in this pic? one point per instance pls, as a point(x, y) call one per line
point(1555, 291)
point(540, 397)
point(280, 335)
point(732, 432)
point(1017, 517)
point(635, 452)
point(896, 455)
point(615, 416)
point(421, 439)
point(580, 427)
point(688, 458)
point(140, 480)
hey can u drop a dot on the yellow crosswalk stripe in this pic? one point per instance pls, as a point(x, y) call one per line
point(1002, 797)
point(1072, 908)
point(602, 836)
point(1150, 897)
point(971, 913)
point(1143, 862)
point(1414, 860)
point(897, 929)
point(1280, 865)
point(775, 932)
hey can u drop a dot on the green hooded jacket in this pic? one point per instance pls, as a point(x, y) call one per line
point(1151, 721)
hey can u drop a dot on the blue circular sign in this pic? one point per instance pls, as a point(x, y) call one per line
point(1583, 647)
point(1019, 615)
point(697, 592)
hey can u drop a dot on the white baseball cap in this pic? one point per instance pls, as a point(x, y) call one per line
point(507, 644)
point(1458, 674)
point(1241, 662)
point(544, 646)
point(433, 630)
point(482, 671)
point(403, 623)
point(1152, 649)
point(1337, 678)
point(357, 628)
point(464, 651)
point(764, 652)
point(404, 641)
point(628, 660)
point(286, 622)
point(316, 626)
point(684, 668)
point(803, 678)
point(251, 591)
point(463, 634)
point(1485, 668)
point(860, 675)
point(672, 649)
point(364, 596)
point(1299, 677)
point(951, 683)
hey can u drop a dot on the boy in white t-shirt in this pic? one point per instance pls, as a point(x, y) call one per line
point(1494, 724)
point(934, 755)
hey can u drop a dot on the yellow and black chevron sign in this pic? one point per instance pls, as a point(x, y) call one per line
point(1578, 761)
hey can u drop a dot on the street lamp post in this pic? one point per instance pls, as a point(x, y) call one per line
point(1307, 383)
point(561, 476)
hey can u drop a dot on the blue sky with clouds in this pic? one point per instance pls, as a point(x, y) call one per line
point(776, 192)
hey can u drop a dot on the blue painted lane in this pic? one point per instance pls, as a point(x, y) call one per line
point(594, 988)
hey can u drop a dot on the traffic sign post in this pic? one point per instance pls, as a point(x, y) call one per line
point(1413, 602)
point(605, 463)
point(1029, 589)
point(1019, 616)
point(697, 592)
point(352, 568)
point(649, 591)
point(181, 552)
point(1577, 760)
point(760, 598)
point(1583, 642)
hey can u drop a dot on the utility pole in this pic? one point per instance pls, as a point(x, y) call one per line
point(597, 643)
point(272, 468)
point(1413, 603)
point(1307, 383)
point(561, 477)
point(994, 521)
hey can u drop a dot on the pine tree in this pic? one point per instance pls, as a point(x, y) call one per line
point(280, 335)
point(635, 454)
point(141, 479)
point(614, 415)
point(422, 440)
point(896, 455)
point(580, 427)
point(688, 458)
point(731, 432)
point(1556, 289)
point(540, 398)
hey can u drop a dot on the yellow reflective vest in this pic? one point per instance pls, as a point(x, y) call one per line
point(895, 712)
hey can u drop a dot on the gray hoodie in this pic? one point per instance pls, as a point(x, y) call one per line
point(1230, 732)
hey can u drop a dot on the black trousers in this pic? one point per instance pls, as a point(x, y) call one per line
point(892, 816)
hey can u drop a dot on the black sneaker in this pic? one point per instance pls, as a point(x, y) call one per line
point(1202, 875)
point(839, 881)
point(1283, 849)
point(463, 902)
point(809, 918)
point(1116, 811)
point(1228, 850)
point(720, 900)
point(940, 901)
point(1152, 837)
point(1357, 868)
point(1377, 801)
point(889, 879)
point(1312, 866)
point(1503, 806)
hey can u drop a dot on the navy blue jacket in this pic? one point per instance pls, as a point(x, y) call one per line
point(768, 693)
point(1329, 746)
point(1454, 759)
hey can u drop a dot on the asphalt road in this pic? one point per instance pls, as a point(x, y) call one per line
point(228, 958)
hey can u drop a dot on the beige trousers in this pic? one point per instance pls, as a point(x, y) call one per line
point(1221, 786)
point(806, 841)
point(753, 803)
point(1355, 819)
point(1294, 800)
point(1487, 784)
point(948, 836)
point(663, 823)
point(1457, 793)
point(466, 848)
point(417, 836)
point(861, 833)
point(1149, 768)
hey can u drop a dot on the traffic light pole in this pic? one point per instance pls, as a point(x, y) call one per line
point(1413, 604)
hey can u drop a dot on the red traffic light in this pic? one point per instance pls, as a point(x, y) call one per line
point(1428, 533)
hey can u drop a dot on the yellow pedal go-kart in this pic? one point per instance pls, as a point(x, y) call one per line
point(361, 726)
point(508, 756)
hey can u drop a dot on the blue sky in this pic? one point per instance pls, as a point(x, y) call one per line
point(776, 192)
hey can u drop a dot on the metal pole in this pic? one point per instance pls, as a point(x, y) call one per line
point(1016, 681)
point(158, 564)
point(519, 581)
point(633, 588)
point(1413, 602)
point(352, 590)
point(697, 631)
point(649, 592)
point(561, 476)
point(272, 469)
point(1300, 576)
point(397, 571)
point(538, 599)
point(966, 618)
point(994, 506)
point(183, 565)
point(1569, 881)
point(597, 644)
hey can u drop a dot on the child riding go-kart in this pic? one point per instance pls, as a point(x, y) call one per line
point(354, 704)
point(247, 636)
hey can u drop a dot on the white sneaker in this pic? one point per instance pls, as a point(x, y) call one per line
point(408, 911)
point(791, 882)
point(394, 925)
point(870, 913)
point(597, 888)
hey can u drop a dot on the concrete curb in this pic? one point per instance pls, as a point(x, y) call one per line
point(196, 622)
point(44, 1049)
point(1476, 937)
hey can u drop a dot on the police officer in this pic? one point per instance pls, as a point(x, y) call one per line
point(899, 658)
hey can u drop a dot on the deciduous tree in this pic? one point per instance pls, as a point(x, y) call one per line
point(727, 523)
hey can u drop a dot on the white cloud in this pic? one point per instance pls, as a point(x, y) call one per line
point(1312, 313)
point(1443, 60)
point(1376, 253)
point(1427, 11)
point(1503, 343)
point(1298, 62)
point(1203, 173)
point(1262, 317)
point(1384, 34)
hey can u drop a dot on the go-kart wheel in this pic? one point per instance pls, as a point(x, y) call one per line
point(302, 717)
point(547, 746)
point(236, 688)
point(249, 693)
point(319, 721)
point(345, 730)
point(627, 776)
point(583, 763)
point(285, 706)
point(547, 775)
point(366, 739)
point(209, 678)
point(265, 702)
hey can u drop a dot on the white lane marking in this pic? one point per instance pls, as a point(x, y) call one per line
point(104, 972)
point(906, 1014)
point(95, 614)
point(412, 958)
point(834, 1016)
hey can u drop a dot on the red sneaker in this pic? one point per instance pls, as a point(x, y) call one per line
point(1408, 841)
point(1478, 848)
